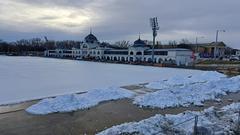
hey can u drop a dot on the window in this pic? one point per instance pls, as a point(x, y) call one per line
point(139, 53)
point(116, 52)
point(52, 51)
point(84, 46)
point(165, 53)
point(67, 51)
point(147, 52)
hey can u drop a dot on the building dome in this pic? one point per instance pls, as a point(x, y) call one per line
point(91, 38)
point(139, 43)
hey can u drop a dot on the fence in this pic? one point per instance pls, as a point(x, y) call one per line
point(195, 129)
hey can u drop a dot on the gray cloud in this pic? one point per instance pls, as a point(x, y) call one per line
point(48, 18)
point(114, 20)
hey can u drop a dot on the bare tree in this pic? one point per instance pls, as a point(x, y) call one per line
point(172, 42)
point(123, 44)
point(185, 41)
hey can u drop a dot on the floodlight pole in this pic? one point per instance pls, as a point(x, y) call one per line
point(154, 25)
point(153, 49)
point(196, 42)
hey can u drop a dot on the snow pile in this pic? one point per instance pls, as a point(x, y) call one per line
point(210, 121)
point(189, 94)
point(177, 80)
point(72, 102)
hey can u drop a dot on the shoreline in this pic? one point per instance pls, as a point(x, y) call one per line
point(229, 69)
point(15, 120)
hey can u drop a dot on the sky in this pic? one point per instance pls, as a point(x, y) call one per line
point(116, 20)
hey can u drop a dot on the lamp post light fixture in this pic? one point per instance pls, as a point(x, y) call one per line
point(197, 38)
point(154, 25)
point(215, 47)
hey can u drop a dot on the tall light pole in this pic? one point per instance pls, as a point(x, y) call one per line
point(154, 25)
point(197, 43)
point(215, 47)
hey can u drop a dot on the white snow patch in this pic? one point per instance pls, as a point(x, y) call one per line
point(186, 80)
point(72, 102)
point(188, 94)
point(211, 121)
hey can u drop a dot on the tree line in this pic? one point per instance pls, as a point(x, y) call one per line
point(37, 46)
point(34, 46)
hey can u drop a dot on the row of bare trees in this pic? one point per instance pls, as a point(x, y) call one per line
point(23, 46)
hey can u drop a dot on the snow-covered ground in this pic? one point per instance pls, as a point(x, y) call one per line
point(188, 90)
point(210, 121)
point(184, 92)
point(176, 81)
point(72, 102)
point(25, 78)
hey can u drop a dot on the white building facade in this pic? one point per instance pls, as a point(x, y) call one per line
point(138, 52)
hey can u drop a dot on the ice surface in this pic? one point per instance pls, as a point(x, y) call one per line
point(26, 78)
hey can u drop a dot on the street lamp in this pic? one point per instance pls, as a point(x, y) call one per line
point(197, 43)
point(215, 47)
point(154, 25)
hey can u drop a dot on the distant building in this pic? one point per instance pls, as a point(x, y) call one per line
point(206, 50)
point(91, 48)
point(238, 52)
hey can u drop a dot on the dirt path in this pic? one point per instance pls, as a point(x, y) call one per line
point(89, 121)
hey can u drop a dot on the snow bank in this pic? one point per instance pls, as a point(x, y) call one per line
point(210, 121)
point(177, 80)
point(188, 94)
point(72, 102)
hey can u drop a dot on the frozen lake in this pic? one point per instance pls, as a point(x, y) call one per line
point(25, 78)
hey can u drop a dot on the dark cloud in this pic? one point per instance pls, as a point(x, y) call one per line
point(114, 20)
point(48, 18)
point(63, 3)
point(71, 25)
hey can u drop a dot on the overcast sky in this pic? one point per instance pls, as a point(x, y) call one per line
point(114, 20)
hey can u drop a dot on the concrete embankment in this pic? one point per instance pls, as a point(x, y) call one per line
point(229, 69)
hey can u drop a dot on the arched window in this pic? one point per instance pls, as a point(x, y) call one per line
point(84, 46)
point(139, 53)
point(122, 59)
point(160, 60)
point(131, 53)
point(149, 60)
point(131, 59)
